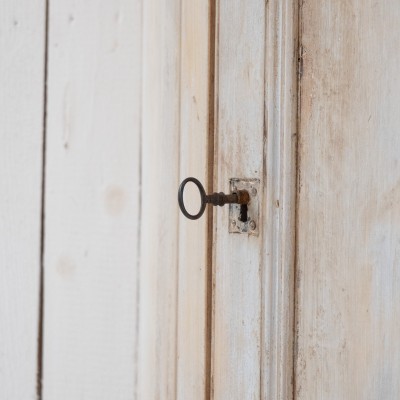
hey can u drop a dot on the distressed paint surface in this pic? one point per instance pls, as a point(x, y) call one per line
point(348, 264)
point(92, 206)
point(192, 361)
point(22, 49)
point(256, 137)
point(238, 154)
point(279, 198)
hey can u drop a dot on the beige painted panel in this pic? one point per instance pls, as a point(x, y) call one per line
point(193, 345)
point(173, 267)
point(22, 51)
point(159, 222)
point(92, 200)
point(348, 262)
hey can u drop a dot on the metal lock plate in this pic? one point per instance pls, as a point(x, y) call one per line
point(245, 218)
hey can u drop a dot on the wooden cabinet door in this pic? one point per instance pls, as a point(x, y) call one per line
point(348, 233)
point(312, 91)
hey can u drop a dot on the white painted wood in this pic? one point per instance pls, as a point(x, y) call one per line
point(348, 265)
point(239, 153)
point(279, 193)
point(193, 345)
point(257, 122)
point(22, 44)
point(92, 199)
point(159, 222)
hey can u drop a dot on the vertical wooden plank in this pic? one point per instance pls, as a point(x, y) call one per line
point(193, 342)
point(92, 206)
point(22, 49)
point(159, 222)
point(239, 153)
point(348, 296)
point(280, 194)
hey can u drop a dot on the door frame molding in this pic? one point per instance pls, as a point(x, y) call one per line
point(280, 155)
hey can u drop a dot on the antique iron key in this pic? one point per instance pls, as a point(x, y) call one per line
point(241, 197)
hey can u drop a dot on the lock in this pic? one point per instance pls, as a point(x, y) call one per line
point(245, 220)
point(243, 203)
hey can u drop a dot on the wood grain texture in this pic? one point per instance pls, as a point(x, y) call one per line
point(92, 199)
point(193, 264)
point(159, 223)
point(279, 192)
point(22, 49)
point(239, 153)
point(348, 265)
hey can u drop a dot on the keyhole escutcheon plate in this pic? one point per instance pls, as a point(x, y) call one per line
point(245, 218)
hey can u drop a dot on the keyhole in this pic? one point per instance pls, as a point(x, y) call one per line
point(243, 213)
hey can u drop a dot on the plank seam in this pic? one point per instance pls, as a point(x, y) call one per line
point(298, 173)
point(215, 110)
point(210, 184)
point(262, 238)
point(40, 338)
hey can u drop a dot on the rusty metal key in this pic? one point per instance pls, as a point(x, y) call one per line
point(216, 199)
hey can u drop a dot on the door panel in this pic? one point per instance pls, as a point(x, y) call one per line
point(159, 248)
point(239, 154)
point(22, 66)
point(194, 263)
point(92, 200)
point(173, 259)
point(348, 265)
point(256, 106)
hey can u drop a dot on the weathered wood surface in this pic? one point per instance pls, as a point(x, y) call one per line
point(192, 350)
point(256, 96)
point(172, 323)
point(278, 247)
point(238, 153)
point(348, 265)
point(159, 243)
point(92, 200)
point(22, 49)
